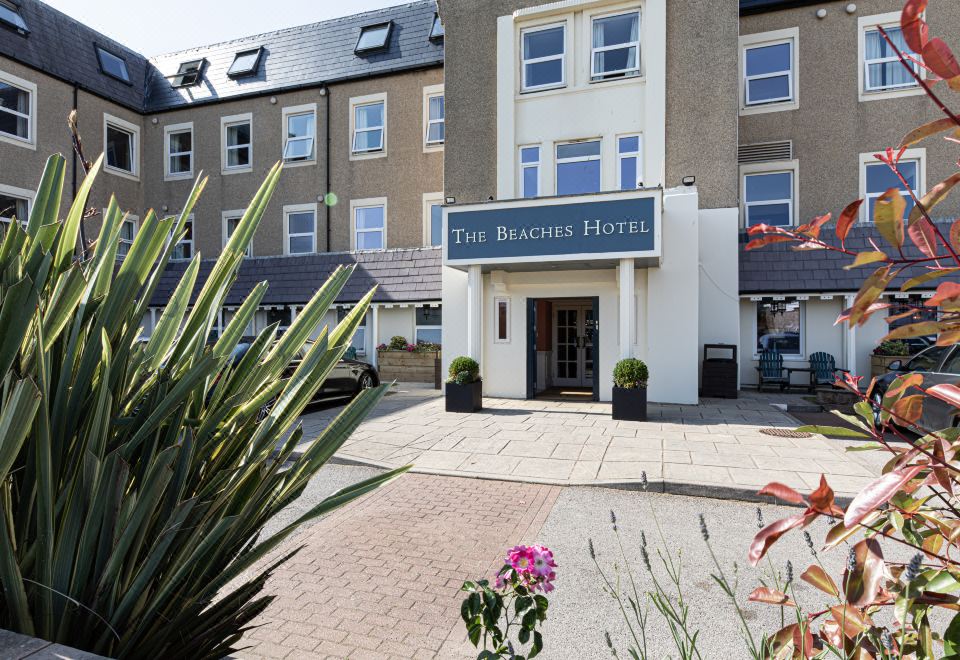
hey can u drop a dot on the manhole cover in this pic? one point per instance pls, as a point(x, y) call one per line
point(786, 433)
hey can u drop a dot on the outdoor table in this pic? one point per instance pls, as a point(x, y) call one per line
point(790, 370)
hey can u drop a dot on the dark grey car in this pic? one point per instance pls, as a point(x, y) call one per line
point(938, 364)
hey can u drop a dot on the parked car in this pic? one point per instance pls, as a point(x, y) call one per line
point(938, 364)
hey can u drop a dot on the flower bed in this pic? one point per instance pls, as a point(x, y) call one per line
point(409, 363)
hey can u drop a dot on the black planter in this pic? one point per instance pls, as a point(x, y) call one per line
point(464, 398)
point(630, 404)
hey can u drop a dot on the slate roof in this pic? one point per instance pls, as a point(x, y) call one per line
point(779, 269)
point(302, 56)
point(403, 276)
point(64, 48)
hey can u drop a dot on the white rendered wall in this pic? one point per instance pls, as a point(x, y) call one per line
point(454, 299)
point(719, 279)
point(395, 321)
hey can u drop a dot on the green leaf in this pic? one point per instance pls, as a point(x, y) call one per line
point(837, 431)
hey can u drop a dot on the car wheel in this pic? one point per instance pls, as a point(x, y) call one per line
point(365, 382)
point(876, 400)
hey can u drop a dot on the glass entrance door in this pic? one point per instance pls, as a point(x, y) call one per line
point(573, 345)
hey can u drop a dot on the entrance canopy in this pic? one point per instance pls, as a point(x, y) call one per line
point(571, 232)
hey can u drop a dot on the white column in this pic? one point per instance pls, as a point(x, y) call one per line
point(374, 333)
point(850, 339)
point(628, 308)
point(474, 312)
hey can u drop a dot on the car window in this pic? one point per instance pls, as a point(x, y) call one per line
point(238, 352)
point(952, 365)
point(927, 360)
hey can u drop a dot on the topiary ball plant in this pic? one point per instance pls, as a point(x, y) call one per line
point(397, 343)
point(464, 370)
point(630, 373)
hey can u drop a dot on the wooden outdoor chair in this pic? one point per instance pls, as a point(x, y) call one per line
point(823, 369)
point(771, 371)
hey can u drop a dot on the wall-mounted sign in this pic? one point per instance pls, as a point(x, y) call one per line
point(606, 226)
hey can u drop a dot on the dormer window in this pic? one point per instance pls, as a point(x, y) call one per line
point(10, 16)
point(188, 74)
point(245, 63)
point(113, 65)
point(436, 32)
point(373, 37)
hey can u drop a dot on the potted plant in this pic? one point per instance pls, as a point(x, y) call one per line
point(630, 390)
point(464, 387)
point(885, 354)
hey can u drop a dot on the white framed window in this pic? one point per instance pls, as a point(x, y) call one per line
point(768, 71)
point(501, 320)
point(615, 46)
point(178, 151)
point(368, 126)
point(629, 161)
point(183, 250)
point(876, 178)
point(300, 229)
point(299, 134)
point(768, 192)
point(543, 61)
point(530, 171)
point(881, 73)
point(14, 203)
point(779, 326)
point(369, 231)
point(128, 231)
point(121, 144)
point(429, 323)
point(434, 132)
point(229, 221)
point(359, 341)
point(18, 111)
point(236, 138)
point(578, 167)
point(433, 219)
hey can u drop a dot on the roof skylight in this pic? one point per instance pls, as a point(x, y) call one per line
point(373, 37)
point(112, 65)
point(188, 74)
point(245, 63)
point(10, 15)
point(436, 32)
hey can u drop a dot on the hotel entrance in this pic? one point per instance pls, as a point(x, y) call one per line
point(563, 334)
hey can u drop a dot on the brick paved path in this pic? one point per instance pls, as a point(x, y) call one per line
point(380, 578)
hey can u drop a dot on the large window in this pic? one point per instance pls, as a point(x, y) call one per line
point(529, 171)
point(877, 178)
point(300, 226)
point(543, 57)
point(183, 250)
point(230, 221)
point(578, 168)
point(369, 126)
point(429, 323)
point(237, 137)
point(780, 326)
point(768, 198)
point(616, 46)
point(768, 75)
point(113, 65)
point(178, 144)
point(433, 219)
point(17, 110)
point(370, 225)
point(629, 162)
point(882, 69)
point(300, 129)
point(359, 341)
point(121, 146)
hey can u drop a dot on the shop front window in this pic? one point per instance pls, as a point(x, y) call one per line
point(780, 326)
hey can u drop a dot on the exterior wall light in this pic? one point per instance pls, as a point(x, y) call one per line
point(821, 13)
point(688, 180)
point(273, 100)
point(154, 121)
point(851, 8)
point(450, 200)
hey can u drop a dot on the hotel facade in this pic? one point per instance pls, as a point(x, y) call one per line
point(547, 187)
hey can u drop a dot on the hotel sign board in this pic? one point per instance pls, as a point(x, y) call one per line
point(581, 228)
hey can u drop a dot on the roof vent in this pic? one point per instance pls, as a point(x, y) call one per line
point(764, 152)
point(373, 37)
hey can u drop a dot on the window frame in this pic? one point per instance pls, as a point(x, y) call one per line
point(868, 24)
point(100, 49)
point(771, 167)
point(225, 124)
point(429, 201)
point(225, 218)
point(191, 241)
point(296, 111)
point(417, 327)
point(538, 165)
point(250, 71)
point(497, 301)
point(622, 155)
point(759, 40)
point(435, 34)
point(18, 193)
point(358, 102)
point(801, 356)
point(524, 88)
point(179, 79)
point(915, 154)
point(290, 209)
point(20, 27)
point(622, 73)
point(381, 46)
point(134, 131)
point(557, 161)
point(30, 142)
point(168, 131)
point(431, 92)
point(369, 202)
point(135, 221)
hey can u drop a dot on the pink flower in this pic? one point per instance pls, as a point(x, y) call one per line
point(534, 567)
point(543, 563)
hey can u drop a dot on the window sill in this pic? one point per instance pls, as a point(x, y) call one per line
point(181, 176)
point(620, 78)
point(225, 171)
point(433, 147)
point(759, 109)
point(18, 141)
point(545, 88)
point(368, 155)
point(526, 95)
point(287, 164)
point(121, 173)
point(882, 94)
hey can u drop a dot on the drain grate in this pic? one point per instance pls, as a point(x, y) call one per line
point(786, 433)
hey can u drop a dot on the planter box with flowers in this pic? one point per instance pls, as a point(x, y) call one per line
point(630, 390)
point(410, 363)
point(885, 354)
point(464, 387)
